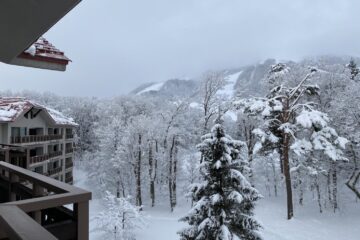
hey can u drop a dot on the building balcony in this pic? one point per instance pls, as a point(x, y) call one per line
point(34, 138)
point(69, 165)
point(54, 171)
point(69, 179)
point(69, 150)
point(32, 207)
point(69, 136)
point(41, 158)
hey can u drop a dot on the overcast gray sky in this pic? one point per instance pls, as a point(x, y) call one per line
point(116, 45)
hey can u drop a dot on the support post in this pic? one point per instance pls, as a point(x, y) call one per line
point(37, 192)
point(7, 156)
point(12, 179)
point(81, 211)
point(27, 158)
point(7, 159)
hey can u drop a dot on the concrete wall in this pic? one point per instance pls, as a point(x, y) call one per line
point(4, 135)
point(37, 122)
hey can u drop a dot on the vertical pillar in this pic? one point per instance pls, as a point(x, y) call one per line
point(63, 148)
point(45, 148)
point(12, 179)
point(7, 159)
point(37, 192)
point(63, 166)
point(27, 158)
point(7, 155)
point(81, 211)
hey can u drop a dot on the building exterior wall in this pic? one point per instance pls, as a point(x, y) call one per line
point(4, 136)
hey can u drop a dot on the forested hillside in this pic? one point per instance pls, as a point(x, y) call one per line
point(297, 126)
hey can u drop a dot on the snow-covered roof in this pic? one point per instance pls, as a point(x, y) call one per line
point(13, 107)
point(44, 50)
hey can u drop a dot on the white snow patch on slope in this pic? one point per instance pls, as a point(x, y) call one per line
point(229, 89)
point(155, 87)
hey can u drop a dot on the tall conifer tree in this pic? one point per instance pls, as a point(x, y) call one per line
point(224, 201)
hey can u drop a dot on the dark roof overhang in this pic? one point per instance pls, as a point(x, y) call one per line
point(22, 22)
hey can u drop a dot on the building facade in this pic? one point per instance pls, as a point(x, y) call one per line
point(37, 138)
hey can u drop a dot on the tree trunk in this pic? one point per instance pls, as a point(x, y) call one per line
point(250, 140)
point(281, 162)
point(118, 185)
point(301, 189)
point(355, 176)
point(267, 182)
point(138, 174)
point(328, 178)
point(171, 175)
point(155, 166)
point(334, 185)
point(151, 174)
point(317, 187)
point(285, 158)
point(175, 172)
point(251, 172)
point(274, 176)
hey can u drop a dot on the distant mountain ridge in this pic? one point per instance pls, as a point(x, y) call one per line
point(170, 88)
point(245, 81)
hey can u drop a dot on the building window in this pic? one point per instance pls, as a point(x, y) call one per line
point(18, 131)
point(36, 131)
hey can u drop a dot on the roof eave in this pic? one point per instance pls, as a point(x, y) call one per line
point(22, 22)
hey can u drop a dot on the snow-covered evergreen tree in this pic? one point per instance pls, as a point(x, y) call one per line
point(120, 218)
point(354, 70)
point(224, 201)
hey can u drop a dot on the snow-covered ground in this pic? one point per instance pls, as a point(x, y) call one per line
point(308, 224)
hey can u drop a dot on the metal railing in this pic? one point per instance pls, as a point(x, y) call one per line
point(40, 214)
point(41, 158)
point(69, 136)
point(69, 150)
point(34, 138)
point(69, 179)
point(54, 171)
point(69, 165)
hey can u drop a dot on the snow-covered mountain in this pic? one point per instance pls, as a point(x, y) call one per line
point(170, 88)
point(245, 81)
point(240, 80)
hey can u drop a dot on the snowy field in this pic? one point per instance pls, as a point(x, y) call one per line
point(308, 224)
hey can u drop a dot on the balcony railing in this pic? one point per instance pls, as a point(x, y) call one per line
point(54, 171)
point(38, 215)
point(69, 165)
point(41, 158)
point(69, 179)
point(69, 150)
point(69, 136)
point(35, 138)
